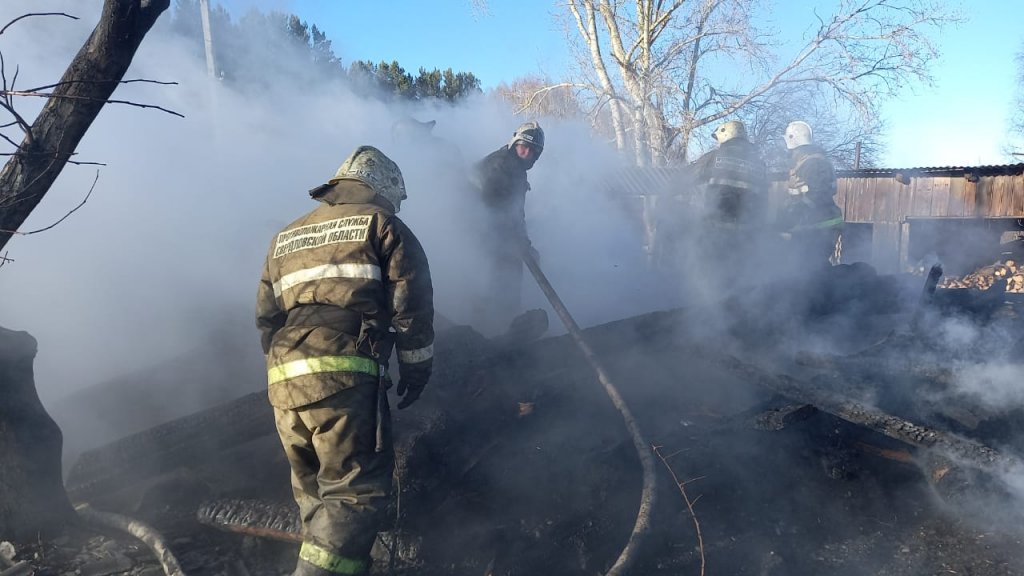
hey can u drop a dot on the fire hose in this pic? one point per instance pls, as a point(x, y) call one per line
point(647, 494)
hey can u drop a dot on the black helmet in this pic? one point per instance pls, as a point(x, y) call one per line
point(530, 133)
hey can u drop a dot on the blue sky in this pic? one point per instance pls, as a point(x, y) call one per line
point(961, 120)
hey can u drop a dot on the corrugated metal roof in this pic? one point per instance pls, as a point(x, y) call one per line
point(644, 180)
point(987, 170)
point(667, 179)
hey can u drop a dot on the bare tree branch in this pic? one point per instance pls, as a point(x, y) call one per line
point(678, 66)
point(7, 93)
point(23, 16)
point(63, 218)
point(132, 81)
point(76, 100)
point(689, 504)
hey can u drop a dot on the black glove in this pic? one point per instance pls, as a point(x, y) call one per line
point(412, 379)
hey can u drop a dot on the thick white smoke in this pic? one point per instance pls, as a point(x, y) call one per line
point(164, 258)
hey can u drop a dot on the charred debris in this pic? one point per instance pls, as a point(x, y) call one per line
point(856, 432)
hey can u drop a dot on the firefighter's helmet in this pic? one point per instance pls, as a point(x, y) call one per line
point(798, 134)
point(371, 167)
point(729, 130)
point(530, 133)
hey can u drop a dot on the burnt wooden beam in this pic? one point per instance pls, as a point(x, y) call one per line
point(260, 518)
point(961, 451)
point(162, 448)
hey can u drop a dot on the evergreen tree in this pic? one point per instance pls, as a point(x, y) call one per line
point(263, 49)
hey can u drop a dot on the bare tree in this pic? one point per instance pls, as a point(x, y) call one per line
point(72, 104)
point(666, 68)
point(537, 96)
point(1015, 147)
point(847, 137)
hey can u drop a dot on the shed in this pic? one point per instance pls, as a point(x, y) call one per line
point(895, 217)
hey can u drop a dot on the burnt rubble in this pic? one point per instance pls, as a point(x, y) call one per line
point(860, 455)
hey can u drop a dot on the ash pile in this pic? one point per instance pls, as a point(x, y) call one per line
point(874, 429)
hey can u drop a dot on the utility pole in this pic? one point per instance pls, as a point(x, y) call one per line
point(211, 65)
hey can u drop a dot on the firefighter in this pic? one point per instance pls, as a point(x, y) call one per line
point(341, 286)
point(500, 179)
point(810, 220)
point(734, 177)
point(732, 186)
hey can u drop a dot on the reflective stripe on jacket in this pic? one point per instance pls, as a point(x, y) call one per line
point(811, 173)
point(353, 256)
point(737, 164)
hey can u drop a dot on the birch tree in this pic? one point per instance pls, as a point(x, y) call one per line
point(538, 96)
point(663, 69)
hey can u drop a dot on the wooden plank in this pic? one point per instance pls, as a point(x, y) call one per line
point(891, 211)
point(854, 199)
point(1000, 197)
point(971, 206)
point(983, 197)
point(956, 204)
point(922, 202)
point(1018, 195)
point(854, 193)
point(842, 188)
point(940, 196)
point(905, 194)
point(883, 196)
point(903, 242)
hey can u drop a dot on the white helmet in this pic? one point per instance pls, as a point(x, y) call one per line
point(371, 167)
point(798, 134)
point(729, 130)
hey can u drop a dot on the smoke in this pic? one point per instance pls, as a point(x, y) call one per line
point(163, 260)
point(997, 385)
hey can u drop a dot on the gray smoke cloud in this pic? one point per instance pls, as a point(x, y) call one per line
point(164, 257)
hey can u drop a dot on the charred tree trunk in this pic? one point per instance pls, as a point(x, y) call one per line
point(32, 497)
point(86, 86)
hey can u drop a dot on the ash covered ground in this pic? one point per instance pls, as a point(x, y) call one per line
point(516, 462)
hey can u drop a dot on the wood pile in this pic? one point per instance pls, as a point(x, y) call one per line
point(986, 277)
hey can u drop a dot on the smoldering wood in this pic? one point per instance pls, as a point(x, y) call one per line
point(77, 99)
point(135, 458)
point(962, 450)
point(464, 357)
point(469, 427)
point(260, 518)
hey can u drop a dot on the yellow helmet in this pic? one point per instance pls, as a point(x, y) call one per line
point(729, 130)
point(371, 167)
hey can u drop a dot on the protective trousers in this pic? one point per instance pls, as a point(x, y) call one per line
point(340, 480)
